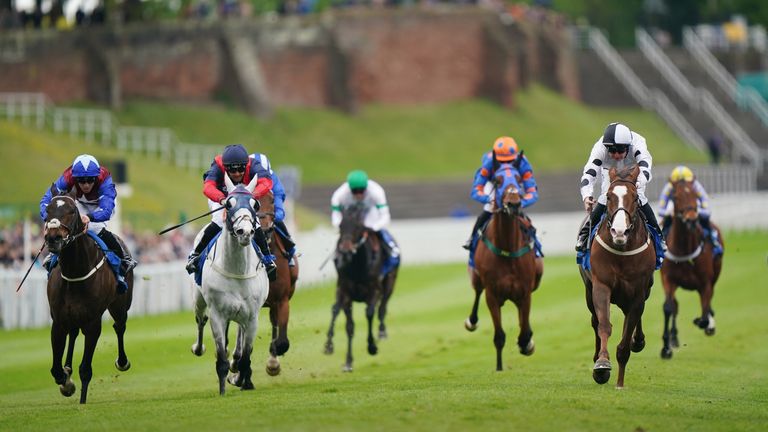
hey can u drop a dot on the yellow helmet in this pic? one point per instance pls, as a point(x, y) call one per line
point(681, 172)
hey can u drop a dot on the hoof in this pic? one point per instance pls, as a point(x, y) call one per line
point(637, 346)
point(529, 349)
point(233, 366)
point(666, 353)
point(273, 366)
point(602, 371)
point(233, 379)
point(674, 342)
point(198, 350)
point(469, 326)
point(372, 349)
point(328, 349)
point(123, 368)
point(68, 388)
point(247, 386)
point(347, 368)
point(700, 323)
point(709, 331)
point(382, 334)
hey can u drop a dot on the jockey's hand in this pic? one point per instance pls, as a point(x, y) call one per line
point(85, 219)
point(589, 202)
point(224, 202)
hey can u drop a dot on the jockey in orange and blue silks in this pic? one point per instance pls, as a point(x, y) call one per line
point(241, 168)
point(504, 150)
point(666, 204)
point(95, 199)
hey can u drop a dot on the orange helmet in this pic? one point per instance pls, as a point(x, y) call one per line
point(505, 149)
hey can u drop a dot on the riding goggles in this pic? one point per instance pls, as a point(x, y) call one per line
point(85, 179)
point(616, 148)
point(235, 167)
point(358, 190)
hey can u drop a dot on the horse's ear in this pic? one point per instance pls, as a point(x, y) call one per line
point(228, 183)
point(72, 193)
point(635, 172)
point(612, 173)
point(54, 190)
point(252, 185)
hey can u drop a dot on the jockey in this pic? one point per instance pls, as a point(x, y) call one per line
point(241, 169)
point(95, 201)
point(358, 189)
point(504, 150)
point(279, 193)
point(617, 148)
point(666, 205)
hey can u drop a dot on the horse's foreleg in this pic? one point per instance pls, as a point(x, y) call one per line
point(350, 333)
point(72, 337)
point(499, 337)
point(201, 319)
point(91, 333)
point(370, 311)
point(281, 342)
point(60, 376)
point(638, 338)
point(335, 309)
point(601, 301)
point(631, 321)
point(471, 322)
point(120, 315)
point(237, 353)
point(219, 331)
point(389, 286)
point(670, 309)
point(246, 334)
point(273, 322)
point(525, 338)
point(707, 320)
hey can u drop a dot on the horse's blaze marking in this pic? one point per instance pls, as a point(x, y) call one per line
point(621, 224)
point(60, 202)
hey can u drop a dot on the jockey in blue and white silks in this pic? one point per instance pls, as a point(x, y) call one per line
point(618, 147)
point(359, 190)
point(504, 150)
point(278, 191)
point(666, 204)
point(95, 199)
point(241, 168)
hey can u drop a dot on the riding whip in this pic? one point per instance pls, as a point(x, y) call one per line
point(325, 261)
point(30, 266)
point(191, 220)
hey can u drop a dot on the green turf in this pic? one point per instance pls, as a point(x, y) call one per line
point(430, 374)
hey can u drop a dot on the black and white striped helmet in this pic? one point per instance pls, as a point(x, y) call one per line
point(617, 136)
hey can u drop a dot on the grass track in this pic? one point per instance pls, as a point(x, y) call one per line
point(430, 374)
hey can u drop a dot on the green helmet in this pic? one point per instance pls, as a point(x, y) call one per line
point(357, 179)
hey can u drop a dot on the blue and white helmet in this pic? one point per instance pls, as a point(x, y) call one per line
point(85, 165)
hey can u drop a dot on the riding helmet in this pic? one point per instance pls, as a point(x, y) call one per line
point(616, 134)
point(681, 172)
point(234, 154)
point(85, 165)
point(505, 149)
point(357, 179)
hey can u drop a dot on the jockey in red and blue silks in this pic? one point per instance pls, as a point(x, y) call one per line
point(241, 168)
point(278, 191)
point(95, 199)
point(504, 150)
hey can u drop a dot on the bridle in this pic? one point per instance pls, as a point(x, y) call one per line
point(56, 223)
point(609, 219)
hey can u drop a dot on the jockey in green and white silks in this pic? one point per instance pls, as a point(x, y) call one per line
point(619, 147)
point(360, 190)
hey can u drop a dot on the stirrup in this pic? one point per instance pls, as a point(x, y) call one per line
point(581, 245)
point(192, 263)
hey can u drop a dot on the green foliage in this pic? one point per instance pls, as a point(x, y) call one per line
point(431, 373)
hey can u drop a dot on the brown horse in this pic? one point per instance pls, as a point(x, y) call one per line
point(506, 265)
point(80, 289)
point(358, 260)
point(281, 289)
point(622, 265)
point(690, 263)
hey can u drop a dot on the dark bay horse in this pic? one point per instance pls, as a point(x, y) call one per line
point(358, 260)
point(690, 263)
point(506, 265)
point(281, 289)
point(622, 264)
point(80, 288)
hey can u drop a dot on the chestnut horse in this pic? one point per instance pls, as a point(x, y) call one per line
point(358, 260)
point(281, 289)
point(80, 288)
point(622, 264)
point(690, 263)
point(506, 265)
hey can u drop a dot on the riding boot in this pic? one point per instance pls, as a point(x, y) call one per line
point(47, 262)
point(266, 256)
point(594, 219)
point(713, 237)
point(650, 218)
point(127, 262)
point(290, 245)
point(666, 223)
point(210, 232)
point(481, 220)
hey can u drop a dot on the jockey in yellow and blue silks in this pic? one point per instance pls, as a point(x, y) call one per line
point(666, 204)
point(95, 199)
point(504, 151)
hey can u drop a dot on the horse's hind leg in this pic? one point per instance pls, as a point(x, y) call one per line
point(499, 337)
point(669, 337)
point(370, 310)
point(60, 375)
point(631, 322)
point(638, 338)
point(350, 333)
point(70, 350)
point(471, 322)
point(91, 333)
point(335, 309)
point(201, 319)
point(219, 329)
point(707, 320)
point(245, 336)
point(281, 342)
point(120, 314)
point(525, 338)
point(237, 353)
point(389, 287)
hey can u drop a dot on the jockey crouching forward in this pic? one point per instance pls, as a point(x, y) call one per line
point(666, 205)
point(241, 169)
point(359, 190)
point(278, 191)
point(617, 148)
point(505, 150)
point(95, 201)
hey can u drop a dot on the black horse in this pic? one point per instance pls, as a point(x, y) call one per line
point(358, 259)
point(80, 289)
